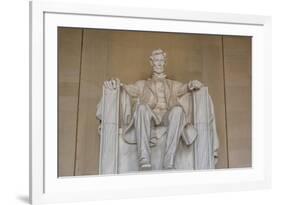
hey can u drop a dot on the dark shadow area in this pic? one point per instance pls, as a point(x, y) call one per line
point(24, 199)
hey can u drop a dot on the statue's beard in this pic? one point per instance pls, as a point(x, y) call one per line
point(158, 72)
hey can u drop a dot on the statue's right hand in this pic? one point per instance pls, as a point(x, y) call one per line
point(111, 84)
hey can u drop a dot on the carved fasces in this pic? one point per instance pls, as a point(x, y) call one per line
point(109, 128)
point(206, 144)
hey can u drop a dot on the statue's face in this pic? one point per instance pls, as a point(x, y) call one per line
point(158, 62)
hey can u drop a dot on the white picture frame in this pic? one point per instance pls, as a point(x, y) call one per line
point(46, 187)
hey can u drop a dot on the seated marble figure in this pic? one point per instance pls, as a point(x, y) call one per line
point(161, 102)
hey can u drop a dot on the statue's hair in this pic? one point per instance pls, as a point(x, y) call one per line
point(158, 52)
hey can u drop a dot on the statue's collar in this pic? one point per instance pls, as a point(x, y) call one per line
point(156, 76)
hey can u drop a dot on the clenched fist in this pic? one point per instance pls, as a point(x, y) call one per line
point(195, 85)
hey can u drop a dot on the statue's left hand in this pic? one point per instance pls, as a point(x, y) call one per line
point(195, 85)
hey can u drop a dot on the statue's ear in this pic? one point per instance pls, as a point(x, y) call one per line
point(150, 61)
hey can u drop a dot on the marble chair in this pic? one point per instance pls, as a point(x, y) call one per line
point(118, 155)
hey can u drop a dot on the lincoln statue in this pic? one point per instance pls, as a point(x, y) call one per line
point(160, 102)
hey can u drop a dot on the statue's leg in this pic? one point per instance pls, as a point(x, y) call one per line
point(175, 121)
point(143, 118)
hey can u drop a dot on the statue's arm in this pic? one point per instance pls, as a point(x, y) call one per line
point(183, 88)
point(131, 89)
point(134, 89)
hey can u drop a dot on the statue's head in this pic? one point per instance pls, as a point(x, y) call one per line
point(158, 61)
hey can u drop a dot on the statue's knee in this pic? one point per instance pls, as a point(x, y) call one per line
point(177, 110)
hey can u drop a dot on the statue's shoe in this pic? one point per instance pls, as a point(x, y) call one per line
point(146, 166)
point(171, 166)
